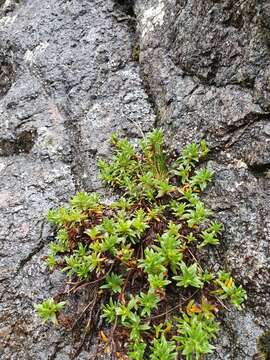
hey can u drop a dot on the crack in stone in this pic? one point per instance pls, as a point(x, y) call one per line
point(34, 251)
point(22, 144)
point(41, 243)
point(7, 71)
point(73, 129)
point(7, 6)
point(259, 169)
point(150, 96)
point(128, 8)
point(236, 131)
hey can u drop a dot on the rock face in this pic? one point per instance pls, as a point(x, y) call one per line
point(71, 72)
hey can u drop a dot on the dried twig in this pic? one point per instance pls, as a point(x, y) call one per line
point(173, 308)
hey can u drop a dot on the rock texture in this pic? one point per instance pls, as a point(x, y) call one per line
point(71, 72)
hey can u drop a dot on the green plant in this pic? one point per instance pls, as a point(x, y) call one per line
point(153, 262)
point(157, 281)
point(201, 178)
point(84, 201)
point(170, 248)
point(113, 282)
point(163, 349)
point(195, 333)
point(228, 290)
point(65, 216)
point(136, 326)
point(51, 261)
point(48, 309)
point(109, 311)
point(189, 276)
point(136, 350)
point(149, 302)
point(139, 256)
point(197, 215)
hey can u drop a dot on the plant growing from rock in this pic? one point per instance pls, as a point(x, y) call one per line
point(48, 309)
point(140, 256)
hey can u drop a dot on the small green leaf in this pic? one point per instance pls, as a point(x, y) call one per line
point(162, 349)
point(113, 282)
point(189, 276)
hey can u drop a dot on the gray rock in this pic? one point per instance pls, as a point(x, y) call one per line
point(69, 77)
point(206, 67)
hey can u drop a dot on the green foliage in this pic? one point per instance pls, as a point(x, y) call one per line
point(195, 333)
point(164, 188)
point(153, 262)
point(153, 151)
point(126, 311)
point(109, 311)
point(157, 281)
point(201, 178)
point(140, 254)
point(209, 238)
point(228, 290)
point(148, 302)
point(113, 282)
point(82, 262)
point(51, 261)
point(178, 208)
point(170, 249)
point(163, 349)
point(138, 180)
point(139, 223)
point(189, 276)
point(210, 235)
point(61, 245)
point(65, 216)
point(134, 323)
point(48, 309)
point(84, 201)
point(197, 215)
point(136, 351)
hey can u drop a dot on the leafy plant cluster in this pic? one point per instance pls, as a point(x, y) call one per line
point(143, 253)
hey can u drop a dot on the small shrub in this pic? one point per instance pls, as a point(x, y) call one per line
point(141, 253)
